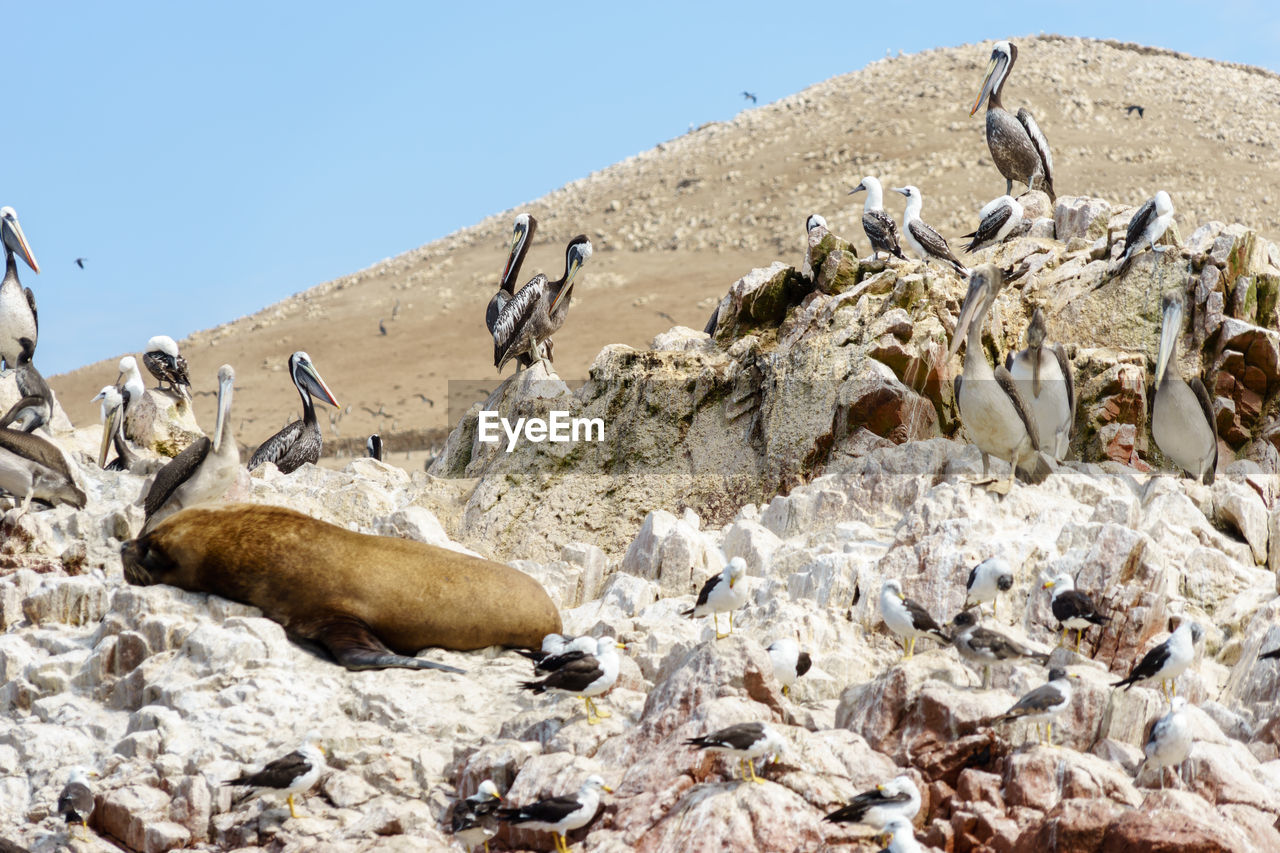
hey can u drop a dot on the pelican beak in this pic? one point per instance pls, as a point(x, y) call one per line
point(315, 385)
point(1168, 336)
point(17, 241)
point(977, 294)
point(986, 85)
point(859, 188)
point(224, 409)
point(517, 237)
point(574, 266)
point(108, 431)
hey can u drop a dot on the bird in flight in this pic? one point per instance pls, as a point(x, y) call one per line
point(80, 262)
point(1129, 110)
point(749, 96)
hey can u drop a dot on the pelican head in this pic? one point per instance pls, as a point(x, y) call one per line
point(1172, 307)
point(575, 255)
point(815, 220)
point(307, 379)
point(14, 240)
point(1003, 55)
point(1035, 340)
point(226, 384)
point(521, 234)
point(112, 405)
point(984, 285)
point(1164, 204)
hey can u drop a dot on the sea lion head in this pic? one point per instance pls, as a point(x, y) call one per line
point(145, 564)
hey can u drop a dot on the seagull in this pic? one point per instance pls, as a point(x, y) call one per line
point(292, 774)
point(75, 803)
point(987, 580)
point(998, 218)
point(552, 644)
point(1044, 703)
point(575, 649)
point(474, 820)
point(1167, 660)
point(921, 238)
point(789, 662)
point(560, 815)
point(907, 618)
point(722, 593)
point(1167, 740)
point(1072, 608)
point(588, 676)
point(897, 799)
point(744, 741)
point(749, 96)
point(876, 224)
point(1146, 227)
point(987, 647)
point(902, 837)
point(80, 262)
point(1129, 110)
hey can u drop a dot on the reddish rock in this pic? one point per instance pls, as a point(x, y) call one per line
point(1075, 824)
point(980, 786)
point(881, 403)
point(1162, 831)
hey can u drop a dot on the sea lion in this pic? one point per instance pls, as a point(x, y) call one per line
point(371, 601)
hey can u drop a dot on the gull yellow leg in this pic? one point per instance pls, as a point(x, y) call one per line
point(292, 811)
point(1079, 633)
point(751, 766)
point(716, 617)
point(593, 716)
point(1048, 733)
point(785, 690)
point(995, 611)
point(1063, 641)
point(486, 845)
point(730, 621)
point(1173, 688)
point(595, 709)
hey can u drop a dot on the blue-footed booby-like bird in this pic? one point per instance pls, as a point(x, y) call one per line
point(35, 407)
point(997, 218)
point(1182, 421)
point(538, 309)
point(1042, 374)
point(921, 238)
point(1019, 149)
point(299, 442)
point(33, 468)
point(1146, 227)
point(521, 239)
point(166, 364)
point(18, 316)
point(876, 224)
point(995, 416)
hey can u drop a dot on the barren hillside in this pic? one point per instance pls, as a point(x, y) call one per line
point(673, 226)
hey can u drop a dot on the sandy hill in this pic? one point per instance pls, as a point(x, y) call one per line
point(673, 226)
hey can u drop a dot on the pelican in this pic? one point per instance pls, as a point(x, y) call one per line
point(1146, 227)
point(876, 224)
point(129, 383)
point(1043, 376)
point(18, 317)
point(166, 364)
point(204, 471)
point(1181, 411)
point(538, 309)
point(300, 441)
point(991, 409)
point(33, 468)
point(1019, 149)
point(521, 238)
point(112, 431)
point(998, 218)
point(920, 236)
point(35, 408)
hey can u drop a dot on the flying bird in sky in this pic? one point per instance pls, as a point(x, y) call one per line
point(749, 96)
point(80, 262)
point(1128, 111)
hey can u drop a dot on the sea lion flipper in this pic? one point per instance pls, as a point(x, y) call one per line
point(354, 645)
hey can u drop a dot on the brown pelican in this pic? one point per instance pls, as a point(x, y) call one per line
point(204, 470)
point(999, 217)
point(1019, 149)
point(35, 409)
point(993, 412)
point(33, 468)
point(1146, 227)
point(113, 431)
point(18, 317)
point(1182, 420)
point(166, 364)
point(538, 309)
point(521, 238)
point(1043, 376)
point(920, 236)
point(373, 447)
point(876, 224)
point(129, 383)
point(300, 441)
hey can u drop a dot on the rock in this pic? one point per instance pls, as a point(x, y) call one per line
point(1080, 216)
point(161, 423)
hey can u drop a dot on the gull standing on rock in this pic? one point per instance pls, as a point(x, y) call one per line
point(907, 618)
point(722, 593)
point(560, 815)
point(1167, 741)
point(745, 742)
point(1017, 146)
point(18, 316)
point(1167, 660)
point(1072, 608)
point(998, 219)
point(585, 677)
point(166, 364)
point(292, 774)
point(573, 650)
point(475, 820)
point(876, 224)
point(921, 238)
point(1042, 375)
point(1044, 703)
point(1182, 419)
point(897, 799)
point(1146, 228)
point(75, 803)
point(987, 647)
point(986, 581)
point(902, 837)
point(789, 662)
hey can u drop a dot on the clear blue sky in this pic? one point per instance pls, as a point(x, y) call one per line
point(211, 158)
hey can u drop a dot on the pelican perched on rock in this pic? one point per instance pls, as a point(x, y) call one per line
point(1146, 227)
point(998, 219)
point(876, 224)
point(1182, 421)
point(129, 383)
point(921, 238)
point(299, 442)
point(204, 470)
point(993, 412)
point(18, 317)
point(521, 238)
point(166, 364)
point(538, 309)
point(113, 431)
point(1043, 377)
point(35, 407)
point(1019, 149)
point(32, 468)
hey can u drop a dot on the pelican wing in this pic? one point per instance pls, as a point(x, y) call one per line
point(1206, 406)
point(29, 402)
point(1011, 390)
point(514, 316)
point(274, 448)
point(36, 449)
point(35, 315)
point(1041, 145)
point(176, 472)
point(1065, 366)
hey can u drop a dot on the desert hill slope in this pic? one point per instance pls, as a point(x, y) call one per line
point(673, 226)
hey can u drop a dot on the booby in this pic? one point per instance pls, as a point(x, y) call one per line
point(989, 648)
point(899, 798)
point(33, 468)
point(112, 409)
point(1146, 227)
point(560, 815)
point(299, 442)
point(921, 238)
point(1167, 660)
point(907, 618)
point(373, 447)
point(166, 364)
point(474, 820)
point(1018, 148)
point(1042, 374)
point(76, 801)
point(292, 774)
point(18, 316)
point(1072, 608)
point(521, 239)
point(745, 742)
point(995, 416)
point(129, 382)
point(902, 837)
point(1182, 421)
point(722, 593)
point(588, 676)
point(876, 224)
point(35, 408)
point(1167, 740)
point(998, 218)
point(986, 581)
point(1044, 703)
point(204, 470)
point(538, 309)
point(789, 662)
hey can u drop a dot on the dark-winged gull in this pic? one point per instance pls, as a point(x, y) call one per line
point(986, 581)
point(585, 677)
point(745, 742)
point(1167, 741)
point(1044, 703)
point(560, 815)
point(722, 593)
point(1167, 660)
point(907, 618)
point(291, 774)
point(1072, 608)
point(789, 662)
point(987, 647)
point(475, 819)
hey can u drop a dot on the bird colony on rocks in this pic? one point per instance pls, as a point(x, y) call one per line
point(816, 468)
